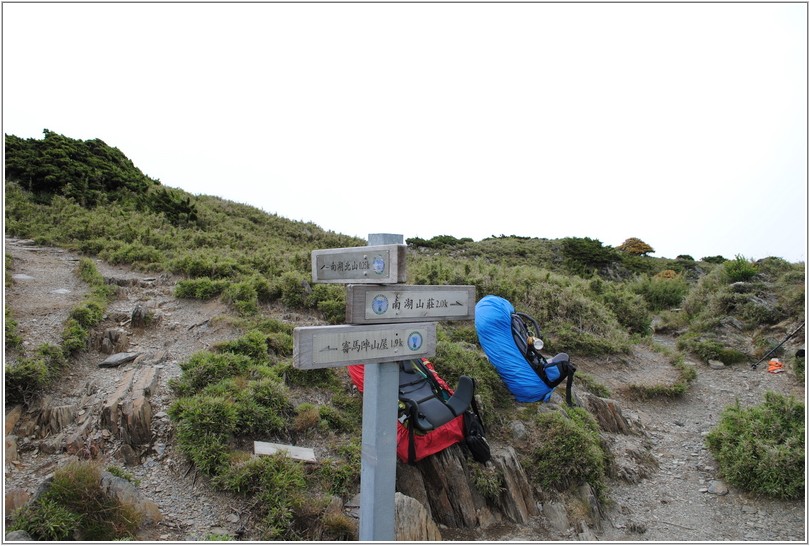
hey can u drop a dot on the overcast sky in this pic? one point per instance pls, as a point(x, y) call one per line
point(683, 124)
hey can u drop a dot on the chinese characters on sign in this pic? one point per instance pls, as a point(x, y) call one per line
point(329, 346)
point(367, 304)
point(372, 264)
point(380, 303)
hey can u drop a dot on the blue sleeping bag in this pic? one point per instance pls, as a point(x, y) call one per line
point(493, 324)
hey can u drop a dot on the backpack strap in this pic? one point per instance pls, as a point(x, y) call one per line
point(474, 405)
point(566, 369)
point(413, 411)
point(570, 369)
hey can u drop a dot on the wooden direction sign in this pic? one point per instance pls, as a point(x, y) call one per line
point(381, 264)
point(332, 346)
point(368, 304)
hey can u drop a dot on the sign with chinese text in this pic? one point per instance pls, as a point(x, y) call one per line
point(382, 264)
point(366, 304)
point(342, 345)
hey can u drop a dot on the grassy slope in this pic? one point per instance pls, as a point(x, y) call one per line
point(589, 299)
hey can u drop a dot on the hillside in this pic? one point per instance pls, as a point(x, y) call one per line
point(214, 277)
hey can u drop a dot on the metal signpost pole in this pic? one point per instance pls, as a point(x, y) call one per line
point(378, 463)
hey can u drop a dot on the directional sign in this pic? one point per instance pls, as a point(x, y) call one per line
point(342, 345)
point(382, 264)
point(367, 304)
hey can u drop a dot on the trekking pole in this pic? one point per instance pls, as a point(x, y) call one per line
point(769, 353)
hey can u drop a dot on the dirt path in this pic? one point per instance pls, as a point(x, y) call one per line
point(676, 503)
point(44, 290)
point(686, 498)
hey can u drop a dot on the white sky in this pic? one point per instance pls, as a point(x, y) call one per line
point(683, 124)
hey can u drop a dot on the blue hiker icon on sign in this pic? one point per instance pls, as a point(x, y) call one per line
point(379, 304)
point(378, 265)
point(414, 341)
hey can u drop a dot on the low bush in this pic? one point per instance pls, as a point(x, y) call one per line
point(568, 452)
point(12, 339)
point(277, 484)
point(45, 520)
point(762, 449)
point(631, 309)
point(661, 291)
point(25, 379)
point(243, 296)
point(739, 269)
point(75, 507)
point(341, 477)
point(709, 349)
point(202, 288)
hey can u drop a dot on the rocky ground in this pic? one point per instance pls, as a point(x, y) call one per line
point(683, 499)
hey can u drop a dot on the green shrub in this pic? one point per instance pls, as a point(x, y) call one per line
point(205, 368)
point(25, 379)
point(282, 344)
point(739, 269)
point(489, 481)
point(294, 289)
point(798, 367)
point(205, 427)
point(200, 262)
point(336, 420)
point(661, 292)
point(202, 288)
point(12, 339)
point(686, 374)
point(277, 484)
point(592, 385)
point(341, 477)
point(583, 255)
point(45, 520)
point(252, 345)
point(453, 360)
point(75, 507)
point(708, 349)
point(334, 311)
point(629, 308)
point(134, 253)
point(762, 449)
point(243, 296)
point(88, 314)
point(570, 452)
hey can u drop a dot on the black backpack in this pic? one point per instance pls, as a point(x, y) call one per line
point(425, 406)
point(526, 333)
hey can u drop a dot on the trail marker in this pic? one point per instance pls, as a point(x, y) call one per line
point(332, 346)
point(388, 322)
point(368, 304)
point(380, 264)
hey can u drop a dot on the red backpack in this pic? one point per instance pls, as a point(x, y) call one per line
point(431, 415)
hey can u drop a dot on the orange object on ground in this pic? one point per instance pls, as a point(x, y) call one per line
point(775, 366)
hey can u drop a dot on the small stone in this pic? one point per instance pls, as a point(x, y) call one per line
point(717, 487)
point(113, 361)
